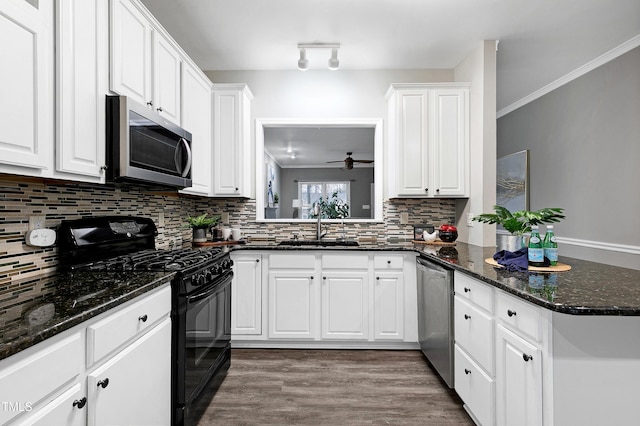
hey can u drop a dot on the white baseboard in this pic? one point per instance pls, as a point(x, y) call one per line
point(600, 245)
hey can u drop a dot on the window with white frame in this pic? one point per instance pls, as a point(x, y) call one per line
point(310, 192)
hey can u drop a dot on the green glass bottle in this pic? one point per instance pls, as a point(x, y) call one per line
point(550, 246)
point(535, 251)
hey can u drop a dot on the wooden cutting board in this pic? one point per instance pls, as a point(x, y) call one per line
point(217, 243)
point(433, 243)
point(560, 267)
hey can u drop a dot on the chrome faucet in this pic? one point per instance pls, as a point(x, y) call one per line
point(316, 211)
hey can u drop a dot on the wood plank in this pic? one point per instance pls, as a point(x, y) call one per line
point(331, 387)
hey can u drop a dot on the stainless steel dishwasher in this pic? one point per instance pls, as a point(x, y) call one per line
point(435, 316)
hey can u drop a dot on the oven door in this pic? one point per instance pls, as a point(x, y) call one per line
point(207, 334)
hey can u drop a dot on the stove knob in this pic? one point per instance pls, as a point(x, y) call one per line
point(202, 280)
point(217, 269)
point(208, 276)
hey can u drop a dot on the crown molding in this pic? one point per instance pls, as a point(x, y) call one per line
point(589, 66)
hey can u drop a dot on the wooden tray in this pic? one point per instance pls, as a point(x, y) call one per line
point(560, 267)
point(217, 243)
point(433, 243)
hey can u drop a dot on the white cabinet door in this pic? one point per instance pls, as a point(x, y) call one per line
point(450, 151)
point(131, 34)
point(389, 305)
point(246, 295)
point(70, 409)
point(292, 304)
point(134, 387)
point(197, 119)
point(82, 53)
point(166, 78)
point(518, 380)
point(26, 77)
point(345, 305)
point(413, 148)
point(231, 140)
point(475, 387)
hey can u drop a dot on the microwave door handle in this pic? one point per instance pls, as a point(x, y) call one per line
point(184, 172)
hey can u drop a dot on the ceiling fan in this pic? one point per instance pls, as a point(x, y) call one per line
point(349, 162)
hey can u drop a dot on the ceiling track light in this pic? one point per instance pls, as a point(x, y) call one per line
point(333, 63)
point(303, 62)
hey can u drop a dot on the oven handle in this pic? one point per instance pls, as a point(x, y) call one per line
point(211, 289)
point(184, 172)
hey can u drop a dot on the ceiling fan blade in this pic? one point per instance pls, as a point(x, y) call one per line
point(338, 161)
point(363, 161)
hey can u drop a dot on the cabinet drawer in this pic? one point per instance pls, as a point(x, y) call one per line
point(387, 261)
point(292, 261)
point(474, 332)
point(345, 261)
point(474, 387)
point(474, 290)
point(522, 317)
point(30, 379)
point(107, 335)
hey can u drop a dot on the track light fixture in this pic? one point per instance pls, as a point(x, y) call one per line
point(303, 62)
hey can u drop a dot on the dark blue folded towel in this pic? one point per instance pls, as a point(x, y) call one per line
point(515, 260)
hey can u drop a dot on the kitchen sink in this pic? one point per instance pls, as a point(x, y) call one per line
point(320, 243)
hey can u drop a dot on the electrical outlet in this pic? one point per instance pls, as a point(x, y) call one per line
point(404, 218)
point(36, 222)
point(470, 220)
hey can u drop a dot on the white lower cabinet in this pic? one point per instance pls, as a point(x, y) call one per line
point(56, 382)
point(519, 380)
point(292, 304)
point(501, 342)
point(475, 387)
point(324, 299)
point(389, 305)
point(246, 294)
point(345, 305)
point(134, 387)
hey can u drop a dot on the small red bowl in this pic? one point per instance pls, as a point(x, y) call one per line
point(448, 236)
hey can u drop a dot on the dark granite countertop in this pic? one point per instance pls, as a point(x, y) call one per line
point(589, 288)
point(34, 309)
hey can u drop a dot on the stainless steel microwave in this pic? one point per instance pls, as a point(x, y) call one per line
point(144, 146)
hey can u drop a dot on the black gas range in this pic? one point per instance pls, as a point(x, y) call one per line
point(201, 298)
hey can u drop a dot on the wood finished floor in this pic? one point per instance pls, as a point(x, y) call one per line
point(332, 387)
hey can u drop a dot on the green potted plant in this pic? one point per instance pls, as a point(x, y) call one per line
point(332, 207)
point(518, 223)
point(200, 225)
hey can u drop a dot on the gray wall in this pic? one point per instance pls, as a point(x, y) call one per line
point(584, 142)
point(360, 178)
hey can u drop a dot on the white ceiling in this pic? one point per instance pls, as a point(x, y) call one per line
point(540, 40)
point(314, 146)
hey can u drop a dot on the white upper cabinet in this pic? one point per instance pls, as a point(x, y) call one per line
point(232, 140)
point(197, 118)
point(131, 34)
point(428, 142)
point(145, 64)
point(166, 78)
point(82, 81)
point(26, 84)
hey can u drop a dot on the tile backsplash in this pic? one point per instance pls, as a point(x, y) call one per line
point(21, 197)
